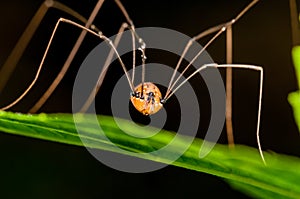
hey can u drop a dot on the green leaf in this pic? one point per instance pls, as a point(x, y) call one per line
point(296, 60)
point(294, 98)
point(242, 166)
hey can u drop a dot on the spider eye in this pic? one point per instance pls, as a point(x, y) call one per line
point(151, 94)
point(135, 94)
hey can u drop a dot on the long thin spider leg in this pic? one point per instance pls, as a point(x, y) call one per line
point(36, 76)
point(100, 35)
point(245, 10)
point(294, 16)
point(188, 45)
point(252, 67)
point(67, 64)
point(260, 69)
point(184, 81)
point(203, 34)
point(294, 23)
point(68, 10)
point(110, 43)
point(17, 52)
point(140, 40)
point(193, 60)
point(142, 49)
point(73, 53)
point(20, 46)
point(104, 69)
point(133, 56)
point(133, 34)
point(228, 111)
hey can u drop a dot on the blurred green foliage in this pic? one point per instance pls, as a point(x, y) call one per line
point(294, 97)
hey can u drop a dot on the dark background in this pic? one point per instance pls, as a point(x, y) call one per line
point(38, 169)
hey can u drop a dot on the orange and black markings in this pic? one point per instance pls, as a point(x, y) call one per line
point(147, 98)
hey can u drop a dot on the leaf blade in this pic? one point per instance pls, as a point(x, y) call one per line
point(242, 167)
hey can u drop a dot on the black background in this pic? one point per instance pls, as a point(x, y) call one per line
point(33, 168)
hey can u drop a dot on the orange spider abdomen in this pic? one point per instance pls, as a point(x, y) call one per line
point(147, 102)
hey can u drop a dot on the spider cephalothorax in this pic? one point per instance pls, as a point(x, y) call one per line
point(147, 98)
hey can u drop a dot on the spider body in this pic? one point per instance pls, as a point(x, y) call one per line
point(147, 98)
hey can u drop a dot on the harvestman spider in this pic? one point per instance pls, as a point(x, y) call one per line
point(145, 97)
